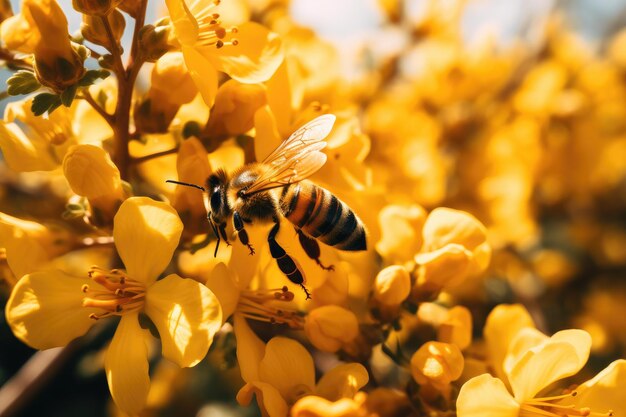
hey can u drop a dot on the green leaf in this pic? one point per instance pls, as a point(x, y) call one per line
point(92, 76)
point(68, 95)
point(22, 82)
point(45, 102)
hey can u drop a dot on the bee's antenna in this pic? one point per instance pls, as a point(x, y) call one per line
point(199, 187)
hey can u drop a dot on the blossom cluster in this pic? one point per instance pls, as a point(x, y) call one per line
point(489, 181)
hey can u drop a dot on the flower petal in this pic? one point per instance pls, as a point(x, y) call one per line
point(526, 339)
point(203, 73)
point(25, 154)
point(257, 56)
point(250, 349)
point(549, 362)
point(185, 25)
point(503, 323)
point(187, 315)
point(146, 234)
point(45, 309)
point(288, 366)
point(267, 137)
point(223, 283)
point(126, 365)
point(485, 396)
point(604, 392)
point(342, 381)
point(269, 399)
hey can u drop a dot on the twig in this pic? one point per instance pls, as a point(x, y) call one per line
point(114, 48)
point(86, 95)
point(141, 159)
point(31, 378)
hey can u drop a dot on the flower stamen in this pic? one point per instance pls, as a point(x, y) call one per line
point(121, 294)
point(260, 305)
point(546, 406)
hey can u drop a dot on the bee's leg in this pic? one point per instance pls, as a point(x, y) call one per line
point(241, 232)
point(312, 249)
point(222, 229)
point(217, 235)
point(286, 263)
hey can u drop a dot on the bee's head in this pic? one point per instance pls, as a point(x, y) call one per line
point(215, 201)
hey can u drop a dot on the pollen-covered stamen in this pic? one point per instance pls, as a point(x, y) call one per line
point(260, 305)
point(120, 293)
point(210, 29)
point(550, 407)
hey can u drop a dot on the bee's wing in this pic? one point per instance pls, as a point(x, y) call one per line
point(296, 158)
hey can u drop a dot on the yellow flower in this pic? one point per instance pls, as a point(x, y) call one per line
point(331, 327)
point(282, 372)
point(437, 364)
point(455, 248)
point(248, 53)
point(29, 245)
point(41, 28)
point(533, 362)
point(49, 309)
point(401, 231)
point(91, 173)
point(392, 285)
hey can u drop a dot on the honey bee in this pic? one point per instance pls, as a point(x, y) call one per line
point(277, 187)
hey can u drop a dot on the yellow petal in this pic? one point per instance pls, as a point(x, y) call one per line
point(250, 349)
point(25, 243)
point(401, 231)
point(270, 402)
point(257, 56)
point(187, 315)
point(185, 25)
point(146, 234)
point(549, 362)
point(446, 267)
point(91, 173)
point(126, 365)
point(267, 137)
point(223, 283)
point(526, 339)
point(45, 309)
point(202, 72)
point(280, 99)
point(485, 396)
point(25, 154)
point(503, 323)
point(288, 367)
point(604, 392)
point(328, 328)
point(342, 381)
point(314, 406)
point(444, 226)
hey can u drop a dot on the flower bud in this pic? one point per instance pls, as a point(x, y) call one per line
point(153, 40)
point(132, 7)
point(235, 106)
point(400, 231)
point(455, 248)
point(5, 10)
point(95, 7)
point(94, 31)
point(154, 113)
point(91, 173)
point(437, 364)
point(58, 64)
point(330, 327)
point(392, 285)
point(456, 327)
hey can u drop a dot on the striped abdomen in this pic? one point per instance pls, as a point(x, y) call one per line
point(318, 213)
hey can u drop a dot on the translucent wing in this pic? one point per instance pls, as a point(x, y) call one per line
point(296, 158)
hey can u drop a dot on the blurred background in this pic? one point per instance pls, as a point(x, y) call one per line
point(513, 111)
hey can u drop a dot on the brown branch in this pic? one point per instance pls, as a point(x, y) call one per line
point(12, 61)
point(114, 48)
point(141, 159)
point(86, 95)
point(141, 17)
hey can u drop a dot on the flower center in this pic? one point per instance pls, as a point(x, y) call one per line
point(120, 295)
point(210, 29)
point(548, 407)
point(261, 305)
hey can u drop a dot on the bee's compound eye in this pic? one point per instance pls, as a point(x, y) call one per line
point(216, 200)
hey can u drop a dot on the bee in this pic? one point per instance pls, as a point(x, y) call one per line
point(277, 187)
